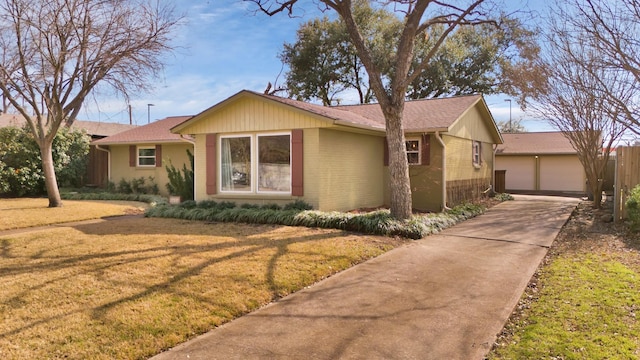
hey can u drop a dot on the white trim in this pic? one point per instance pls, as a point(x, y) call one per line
point(419, 151)
point(138, 157)
point(257, 164)
point(254, 144)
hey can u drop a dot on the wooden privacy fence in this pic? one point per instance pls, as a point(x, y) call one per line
point(627, 177)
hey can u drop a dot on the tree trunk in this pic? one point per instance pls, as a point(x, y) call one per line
point(50, 180)
point(398, 166)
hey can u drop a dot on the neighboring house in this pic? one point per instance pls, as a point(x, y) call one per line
point(146, 150)
point(540, 162)
point(97, 167)
point(256, 148)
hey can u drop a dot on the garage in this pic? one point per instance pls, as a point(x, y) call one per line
point(540, 162)
point(561, 173)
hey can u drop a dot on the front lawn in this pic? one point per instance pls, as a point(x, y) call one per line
point(28, 212)
point(133, 287)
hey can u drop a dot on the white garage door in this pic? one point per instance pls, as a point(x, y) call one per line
point(520, 173)
point(561, 173)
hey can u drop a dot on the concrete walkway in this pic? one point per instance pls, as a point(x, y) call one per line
point(443, 297)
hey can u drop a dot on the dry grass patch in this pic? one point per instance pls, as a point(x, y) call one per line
point(130, 288)
point(29, 212)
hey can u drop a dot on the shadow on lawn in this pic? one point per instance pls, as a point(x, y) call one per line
point(229, 242)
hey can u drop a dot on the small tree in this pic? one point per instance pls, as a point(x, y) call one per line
point(181, 183)
point(511, 126)
point(55, 53)
point(573, 98)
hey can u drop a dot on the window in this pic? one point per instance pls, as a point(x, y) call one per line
point(413, 152)
point(255, 163)
point(477, 153)
point(147, 156)
point(274, 163)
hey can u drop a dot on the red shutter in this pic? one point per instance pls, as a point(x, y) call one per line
point(158, 155)
point(386, 152)
point(210, 158)
point(297, 174)
point(132, 155)
point(426, 149)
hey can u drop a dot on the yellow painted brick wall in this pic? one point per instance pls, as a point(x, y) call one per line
point(120, 168)
point(460, 162)
point(350, 170)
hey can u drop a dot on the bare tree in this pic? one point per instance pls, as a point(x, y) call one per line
point(54, 53)
point(390, 90)
point(574, 97)
point(613, 28)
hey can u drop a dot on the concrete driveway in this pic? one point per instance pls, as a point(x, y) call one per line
point(443, 297)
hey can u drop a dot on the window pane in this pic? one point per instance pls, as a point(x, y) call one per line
point(147, 152)
point(413, 145)
point(147, 161)
point(236, 164)
point(413, 158)
point(274, 163)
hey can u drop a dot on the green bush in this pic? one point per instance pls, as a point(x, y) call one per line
point(377, 222)
point(21, 165)
point(146, 198)
point(181, 182)
point(633, 208)
point(503, 197)
point(139, 185)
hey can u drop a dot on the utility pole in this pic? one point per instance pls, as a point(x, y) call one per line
point(510, 126)
point(149, 113)
point(130, 117)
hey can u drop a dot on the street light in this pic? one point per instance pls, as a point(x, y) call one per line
point(510, 127)
point(149, 113)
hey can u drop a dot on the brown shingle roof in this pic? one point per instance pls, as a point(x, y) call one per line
point(157, 132)
point(94, 128)
point(419, 115)
point(533, 143)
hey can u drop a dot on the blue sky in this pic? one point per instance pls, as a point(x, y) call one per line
point(222, 48)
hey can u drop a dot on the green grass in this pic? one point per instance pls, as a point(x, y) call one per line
point(587, 309)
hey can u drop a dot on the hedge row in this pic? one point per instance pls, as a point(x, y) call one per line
point(150, 199)
point(377, 222)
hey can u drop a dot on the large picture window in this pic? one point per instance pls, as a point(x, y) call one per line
point(146, 156)
point(255, 163)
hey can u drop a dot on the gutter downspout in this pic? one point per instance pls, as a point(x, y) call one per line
point(444, 171)
point(493, 167)
point(108, 160)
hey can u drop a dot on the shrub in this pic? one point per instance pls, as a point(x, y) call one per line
point(21, 165)
point(377, 222)
point(181, 182)
point(146, 198)
point(633, 208)
point(503, 197)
